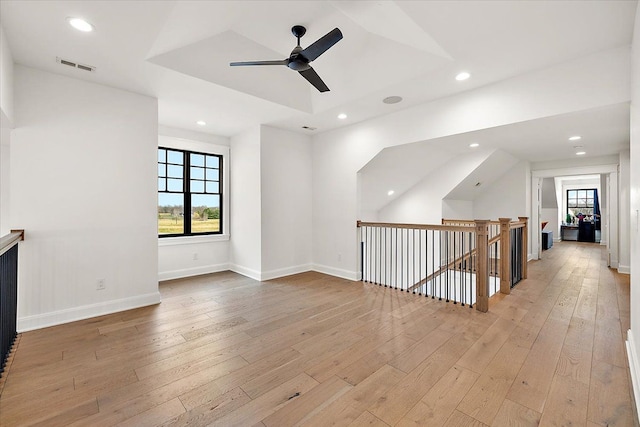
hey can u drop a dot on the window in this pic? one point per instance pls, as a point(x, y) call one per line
point(580, 202)
point(189, 193)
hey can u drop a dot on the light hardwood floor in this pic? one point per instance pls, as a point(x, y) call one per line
point(314, 350)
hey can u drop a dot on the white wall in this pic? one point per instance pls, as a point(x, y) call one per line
point(624, 250)
point(506, 197)
point(6, 123)
point(83, 186)
point(5, 187)
point(6, 77)
point(633, 348)
point(189, 256)
point(549, 204)
point(245, 210)
point(457, 209)
point(422, 203)
point(285, 170)
point(589, 82)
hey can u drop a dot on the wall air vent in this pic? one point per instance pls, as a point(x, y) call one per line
point(75, 64)
point(309, 128)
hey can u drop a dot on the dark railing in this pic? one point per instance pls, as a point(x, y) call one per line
point(518, 251)
point(447, 262)
point(464, 261)
point(8, 293)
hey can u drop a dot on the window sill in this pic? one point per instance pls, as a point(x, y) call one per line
point(190, 240)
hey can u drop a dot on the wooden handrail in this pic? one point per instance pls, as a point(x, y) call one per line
point(465, 221)
point(447, 267)
point(11, 239)
point(416, 226)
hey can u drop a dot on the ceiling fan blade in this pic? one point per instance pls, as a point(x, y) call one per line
point(321, 45)
point(240, 64)
point(313, 78)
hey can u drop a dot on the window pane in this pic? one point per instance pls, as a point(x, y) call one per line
point(175, 157)
point(170, 213)
point(162, 170)
point(213, 175)
point(197, 160)
point(162, 184)
point(162, 155)
point(197, 186)
point(205, 213)
point(213, 162)
point(174, 171)
point(197, 173)
point(212, 187)
point(174, 185)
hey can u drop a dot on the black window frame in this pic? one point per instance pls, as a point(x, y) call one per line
point(186, 189)
point(577, 208)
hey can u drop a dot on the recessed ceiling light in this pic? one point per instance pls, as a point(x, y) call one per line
point(201, 123)
point(390, 193)
point(581, 153)
point(392, 99)
point(474, 145)
point(80, 24)
point(575, 138)
point(342, 116)
point(463, 76)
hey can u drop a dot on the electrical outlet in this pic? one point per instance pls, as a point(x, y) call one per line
point(339, 257)
point(100, 285)
point(195, 256)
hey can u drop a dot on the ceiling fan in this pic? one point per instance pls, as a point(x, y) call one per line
point(300, 58)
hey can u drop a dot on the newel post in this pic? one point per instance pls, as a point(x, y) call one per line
point(525, 244)
point(482, 269)
point(505, 262)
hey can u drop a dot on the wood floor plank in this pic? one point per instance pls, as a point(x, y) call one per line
point(459, 419)
point(609, 396)
point(484, 399)
point(260, 408)
point(353, 403)
point(567, 402)
point(532, 384)
point(401, 398)
point(306, 406)
point(441, 400)
point(311, 349)
point(514, 414)
point(212, 410)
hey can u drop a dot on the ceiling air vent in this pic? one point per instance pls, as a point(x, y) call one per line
point(75, 64)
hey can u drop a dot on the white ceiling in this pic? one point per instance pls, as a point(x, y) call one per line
point(178, 51)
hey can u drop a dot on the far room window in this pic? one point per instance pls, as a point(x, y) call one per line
point(580, 202)
point(189, 193)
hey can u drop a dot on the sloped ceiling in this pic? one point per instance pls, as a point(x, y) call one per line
point(493, 167)
point(178, 51)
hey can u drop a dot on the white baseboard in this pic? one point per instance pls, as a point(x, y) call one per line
point(281, 272)
point(195, 271)
point(29, 323)
point(338, 272)
point(253, 274)
point(624, 269)
point(633, 368)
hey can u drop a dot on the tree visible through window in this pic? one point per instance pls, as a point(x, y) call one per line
point(189, 193)
point(580, 202)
